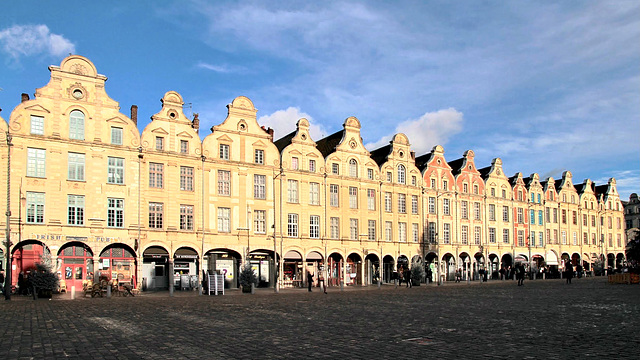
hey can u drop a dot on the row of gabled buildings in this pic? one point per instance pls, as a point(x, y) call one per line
point(96, 198)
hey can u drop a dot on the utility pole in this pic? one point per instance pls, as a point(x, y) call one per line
point(7, 278)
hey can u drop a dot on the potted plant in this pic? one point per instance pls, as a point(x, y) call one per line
point(417, 274)
point(247, 278)
point(43, 281)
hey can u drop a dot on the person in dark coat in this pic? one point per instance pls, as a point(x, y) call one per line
point(569, 272)
point(407, 278)
point(309, 280)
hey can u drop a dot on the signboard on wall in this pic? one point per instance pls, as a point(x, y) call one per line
point(225, 267)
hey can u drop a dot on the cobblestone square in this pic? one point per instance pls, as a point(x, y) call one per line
point(542, 319)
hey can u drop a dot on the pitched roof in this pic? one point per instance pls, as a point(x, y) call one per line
point(456, 165)
point(328, 144)
point(285, 141)
point(484, 172)
point(421, 161)
point(380, 155)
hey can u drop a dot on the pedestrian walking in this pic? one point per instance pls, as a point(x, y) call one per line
point(400, 275)
point(2, 281)
point(407, 278)
point(458, 275)
point(309, 280)
point(520, 274)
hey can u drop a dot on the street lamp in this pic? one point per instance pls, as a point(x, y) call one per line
point(276, 260)
point(7, 279)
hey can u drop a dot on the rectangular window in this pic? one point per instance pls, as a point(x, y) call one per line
point(292, 225)
point(388, 231)
point(593, 239)
point(292, 191)
point(389, 176)
point(584, 219)
point(371, 230)
point(520, 214)
point(184, 147)
point(156, 174)
point(259, 221)
point(414, 204)
point(115, 213)
point(593, 220)
point(294, 163)
point(492, 212)
point(402, 203)
point(539, 217)
point(314, 226)
point(585, 239)
point(433, 183)
point(353, 229)
point(464, 210)
point(186, 217)
point(505, 213)
point(465, 234)
point(370, 174)
point(564, 216)
point(465, 188)
point(75, 164)
point(155, 215)
point(186, 178)
point(75, 210)
point(224, 151)
point(432, 232)
point(259, 186)
point(387, 202)
point(37, 125)
point(371, 199)
point(224, 219)
point(532, 217)
point(445, 185)
point(353, 197)
point(415, 234)
point(312, 165)
point(555, 216)
point(555, 236)
point(335, 169)
point(476, 211)
point(224, 182)
point(564, 237)
point(36, 162)
point(541, 237)
point(575, 218)
point(159, 143)
point(432, 205)
point(575, 238)
point(334, 199)
point(335, 227)
point(115, 171)
point(547, 212)
point(402, 232)
point(413, 181)
point(492, 235)
point(314, 193)
point(35, 207)
point(505, 236)
point(520, 238)
point(476, 235)
point(445, 206)
point(116, 136)
point(446, 238)
point(258, 156)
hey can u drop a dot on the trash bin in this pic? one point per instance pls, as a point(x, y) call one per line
point(144, 284)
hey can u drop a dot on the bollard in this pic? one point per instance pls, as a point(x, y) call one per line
point(108, 290)
point(341, 285)
point(73, 292)
point(171, 290)
point(378, 284)
point(253, 288)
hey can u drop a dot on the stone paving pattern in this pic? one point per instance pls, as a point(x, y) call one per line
point(542, 319)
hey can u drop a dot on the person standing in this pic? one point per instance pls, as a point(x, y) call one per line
point(309, 280)
point(569, 272)
point(407, 277)
point(2, 281)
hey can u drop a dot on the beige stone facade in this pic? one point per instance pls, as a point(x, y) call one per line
point(163, 206)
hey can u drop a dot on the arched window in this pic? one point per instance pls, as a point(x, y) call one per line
point(353, 168)
point(76, 125)
point(401, 174)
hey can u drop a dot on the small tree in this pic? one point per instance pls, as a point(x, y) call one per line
point(247, 276)
point(417, 273)
point(43, 280)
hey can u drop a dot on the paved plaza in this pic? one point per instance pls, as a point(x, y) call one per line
point(542, 319)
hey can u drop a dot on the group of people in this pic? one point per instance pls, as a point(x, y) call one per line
point(404, 273)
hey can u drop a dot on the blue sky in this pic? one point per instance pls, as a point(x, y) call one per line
point(546, 86)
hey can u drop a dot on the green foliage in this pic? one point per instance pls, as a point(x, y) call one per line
point(417, 273)
point(43, 279)
point(247, 276)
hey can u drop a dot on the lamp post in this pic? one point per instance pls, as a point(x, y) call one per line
point(7, 278)
point(276, 261)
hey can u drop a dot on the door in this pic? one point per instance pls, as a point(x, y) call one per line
point(74, 274)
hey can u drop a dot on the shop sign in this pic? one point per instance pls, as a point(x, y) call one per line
point(186, 256)
point(61, 237)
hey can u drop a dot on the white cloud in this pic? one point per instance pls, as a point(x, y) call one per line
point(627, 182)
point(215, 68)
point(29, 40)
point(432, 128)
point(284, 121)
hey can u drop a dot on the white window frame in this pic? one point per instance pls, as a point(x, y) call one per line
point(259, 186)
point(115, 170)
point(224, 183)
point(335, 227)
point(75, 166)
point(36, 162)
point(75, 210)
point(224, 151)
point(292, 225)
point(314, 226)
point(116, 135)
point(37, 125)
point(334, 196)
point(224, 219)
point(76, 125)
point(314, 193)
point(353, 197)
point(115, 213)
point(35, 207)
point(259, 221)
point(186, 217)
point(292, 191)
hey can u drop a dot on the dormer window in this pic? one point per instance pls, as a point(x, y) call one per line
point(335, 169)
point(224, 151)
point(159, 143)
point(184, 147)
point(294, 163)
point(76, 125)
point(353, 168)
point(401, 174)
point(37, 125)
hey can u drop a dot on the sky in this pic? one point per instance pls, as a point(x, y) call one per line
point(546, 86)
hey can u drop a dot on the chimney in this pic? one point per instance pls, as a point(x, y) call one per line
point(134, 114)
point(25, 97)
point(196, 122)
